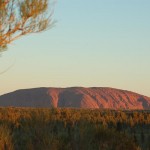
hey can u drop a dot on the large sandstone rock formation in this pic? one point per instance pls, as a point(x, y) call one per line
point(76, 97)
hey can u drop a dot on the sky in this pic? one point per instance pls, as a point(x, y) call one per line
point(100, 43)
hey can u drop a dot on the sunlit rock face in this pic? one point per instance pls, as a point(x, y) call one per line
point(76, 97)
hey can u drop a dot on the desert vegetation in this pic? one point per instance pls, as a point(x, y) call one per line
point(73, 129)
point(22, 17)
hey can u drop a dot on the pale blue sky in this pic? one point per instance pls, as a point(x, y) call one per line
point(94, 43)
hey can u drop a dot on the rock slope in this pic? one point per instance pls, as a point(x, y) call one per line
point(76, 97)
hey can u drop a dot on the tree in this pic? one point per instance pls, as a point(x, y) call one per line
point(22, 17)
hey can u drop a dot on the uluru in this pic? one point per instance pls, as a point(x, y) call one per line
point(76, 97)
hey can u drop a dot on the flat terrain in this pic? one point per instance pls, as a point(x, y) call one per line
point(73, 129)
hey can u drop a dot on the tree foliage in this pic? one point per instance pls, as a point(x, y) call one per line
point(73, 129)
point(22, 17)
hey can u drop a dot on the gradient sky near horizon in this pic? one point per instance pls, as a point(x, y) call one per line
point(100, 43)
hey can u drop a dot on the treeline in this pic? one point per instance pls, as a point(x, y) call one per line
point(73, 129)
